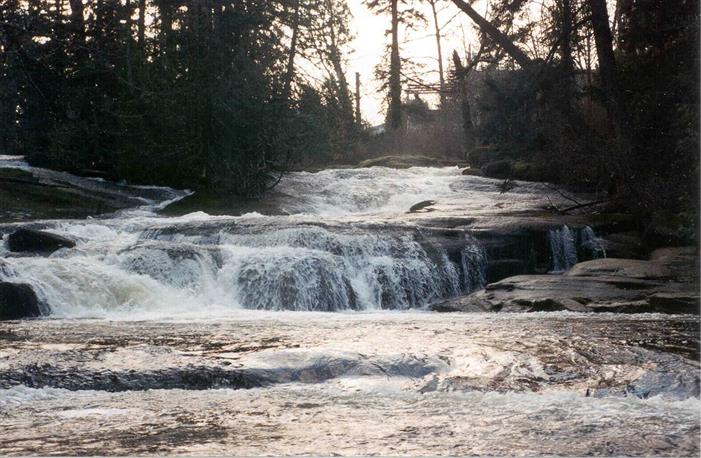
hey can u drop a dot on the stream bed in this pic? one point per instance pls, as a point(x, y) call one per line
point(307, 330)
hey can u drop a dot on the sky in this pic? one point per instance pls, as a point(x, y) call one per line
point(419, 45)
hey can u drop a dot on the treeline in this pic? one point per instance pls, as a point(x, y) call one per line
point(599, 95)
point(605, 102)
point(206, 94)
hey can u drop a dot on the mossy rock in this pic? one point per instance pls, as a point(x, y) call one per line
point(217, 203)
point(405, 162)
point(497, 169)
point(25, 197)
point(473, 172)
point(483, 155)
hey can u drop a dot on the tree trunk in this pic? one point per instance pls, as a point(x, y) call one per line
point(166, 28)
point(394, 113)
point(289, 75)
point(78, 28)
point(141, 25)
point(128, 43)
point(440, 53)
point(495, 35)
point(467, 125)
point(566, 38)
point(358, 118)
point(608, 73)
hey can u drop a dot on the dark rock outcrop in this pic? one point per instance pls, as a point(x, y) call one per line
point(482, 155)
point(470, 171)
point(17, 300)
point(667, 283)
point(422, 206)
point(35, 241)
point(497, 169)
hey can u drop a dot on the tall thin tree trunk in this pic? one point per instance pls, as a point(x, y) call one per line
point(608, 72)
point(289, 75)
point(566, 38)
point(78, 28)
point(358, 119)
point(128, 43)
point(461, 73)
point(394, 114)
point(141, 25)
point(166, 29)
point(441, 76)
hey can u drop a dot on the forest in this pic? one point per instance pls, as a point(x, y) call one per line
point(349, 228)
point(218, 95)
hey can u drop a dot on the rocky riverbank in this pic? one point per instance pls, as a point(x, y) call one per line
point(668, 283)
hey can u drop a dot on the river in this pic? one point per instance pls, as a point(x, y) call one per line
point(305, 328)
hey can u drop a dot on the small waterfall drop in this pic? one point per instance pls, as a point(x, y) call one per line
point(590, 244)
point(301, 267)
point(334, 240)
point(568, 246)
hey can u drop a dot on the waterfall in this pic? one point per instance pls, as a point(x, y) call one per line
point(591, 245)
point(567, 247)
point(223, 267)
point(335, 240)
point(563, 249)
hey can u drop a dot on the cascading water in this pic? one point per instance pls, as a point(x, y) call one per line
point(344, 241)
point(563, 249)
point(305, 267)
point(568, 246)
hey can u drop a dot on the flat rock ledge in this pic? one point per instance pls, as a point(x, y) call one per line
point(666, 283)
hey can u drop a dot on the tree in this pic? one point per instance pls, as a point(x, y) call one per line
point(439, 51)
point(608, 73)
point(494, 34)
point(191, 99)
point(400, 13)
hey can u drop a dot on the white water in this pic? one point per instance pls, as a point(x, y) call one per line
point(346, 383)
point(347, 243)
point(565, 243)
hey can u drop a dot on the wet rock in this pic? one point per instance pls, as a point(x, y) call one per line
point(683, 262)
point(667, 283)
point(35, 241)
point(675, 302)
point(482, 155)
point(504, 268)
point(17, 300)
point(497, 169)
point(473, 172)
point(422, 206)
point(627, 245)
point(628, 268)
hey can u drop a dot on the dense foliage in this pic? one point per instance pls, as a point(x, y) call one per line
point(196, 93)
point(555, 110)
point(210, 94)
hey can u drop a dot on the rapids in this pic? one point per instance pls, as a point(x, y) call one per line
point(341, 240)
point(210, 335)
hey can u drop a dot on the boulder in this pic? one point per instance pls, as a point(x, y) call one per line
point(497, 169)
point(626, 268)
point(422, 206)
point(482, 155)
point(502, 268)
point(35, 241)
point(627, 244)
point(664, 284)
point(473, 172)
point(18, 300)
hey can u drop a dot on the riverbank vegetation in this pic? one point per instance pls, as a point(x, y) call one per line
point(225, 96)
point(203, 94)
